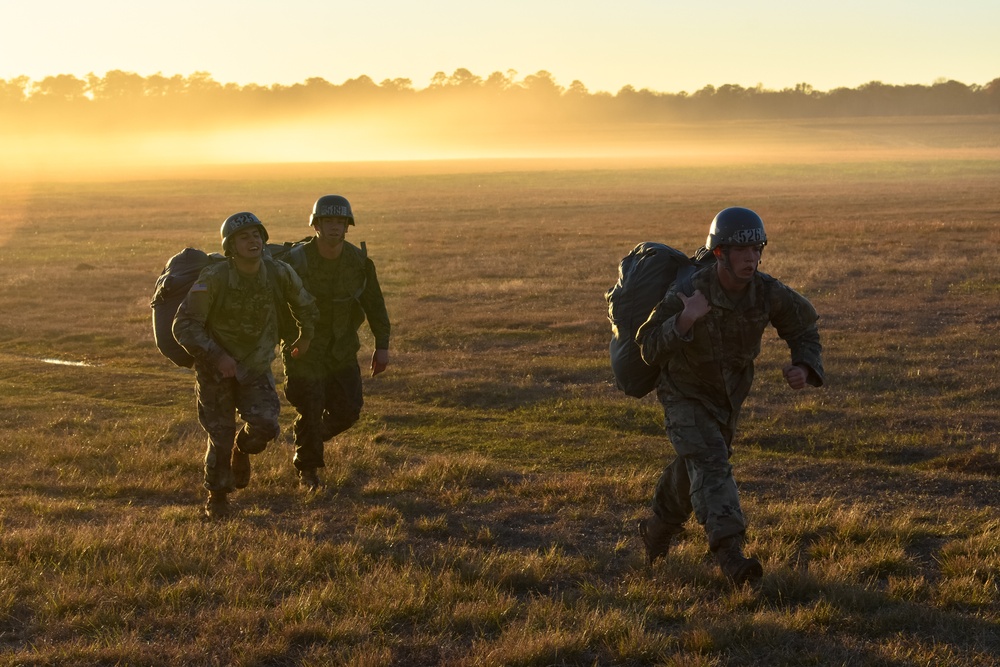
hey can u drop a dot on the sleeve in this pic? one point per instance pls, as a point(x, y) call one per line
point(373, 303)
point(301, 303)
point(190, 326)
point(795, 319)
point(657, 337)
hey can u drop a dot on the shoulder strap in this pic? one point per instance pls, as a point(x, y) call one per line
point(298, 259)
point(684, 278)
point(364, 269)
point(217, 303)
point(274, 280)
point(362, 254)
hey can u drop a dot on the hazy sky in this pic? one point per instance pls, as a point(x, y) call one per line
point(664, 45)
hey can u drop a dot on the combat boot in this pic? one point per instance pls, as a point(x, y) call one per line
point(217, 506)
point(656, 535)
point(241, 469)
point(309, 480)
point(737, 567)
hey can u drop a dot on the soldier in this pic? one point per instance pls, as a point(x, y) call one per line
point(324, 383)
point(706, 344)
point(229, 322)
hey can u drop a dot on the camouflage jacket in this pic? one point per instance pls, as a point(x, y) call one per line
point(347, 293)
point(226, 311)
point(713, 363)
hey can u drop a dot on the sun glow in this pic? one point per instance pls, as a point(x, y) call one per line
point(141, 130)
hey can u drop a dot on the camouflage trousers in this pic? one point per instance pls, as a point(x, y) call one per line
point(220, 400)
point(327, 406)
point(700, 478)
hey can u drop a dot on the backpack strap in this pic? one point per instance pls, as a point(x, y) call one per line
point(274, 281)
point(297, 259)
point(364, 269)
point(684, 279)
point(217, 303)
point(685, 274)
point(282, 311)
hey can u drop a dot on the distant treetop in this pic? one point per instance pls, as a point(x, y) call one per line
point(534, 94)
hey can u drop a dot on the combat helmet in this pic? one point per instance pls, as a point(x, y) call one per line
point(238, 221)
point(736, 226)
point(332, 206)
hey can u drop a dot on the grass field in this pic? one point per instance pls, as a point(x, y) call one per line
point(483, 510)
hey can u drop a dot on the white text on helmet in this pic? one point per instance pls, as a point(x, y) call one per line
point(748, 236)
point(241, 219)
point(333, 209)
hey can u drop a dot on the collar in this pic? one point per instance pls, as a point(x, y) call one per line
point(719, 297)
point(236, 278)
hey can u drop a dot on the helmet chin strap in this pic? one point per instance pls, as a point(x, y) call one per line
point(722, 257)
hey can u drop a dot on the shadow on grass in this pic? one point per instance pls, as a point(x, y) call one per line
point(888, 487)
point(854, 444)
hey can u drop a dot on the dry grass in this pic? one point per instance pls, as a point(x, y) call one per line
point(481, 513)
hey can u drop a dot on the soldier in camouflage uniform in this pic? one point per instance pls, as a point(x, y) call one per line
point(229, 322)
point(324, 384)
point(706, 344)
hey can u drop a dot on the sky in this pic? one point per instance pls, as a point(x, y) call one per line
point(663, 45)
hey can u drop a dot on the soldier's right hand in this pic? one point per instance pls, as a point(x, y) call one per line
point(696, 306)
point(227, 366)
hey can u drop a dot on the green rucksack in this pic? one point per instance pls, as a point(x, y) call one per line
point(172, 286)
point(644, 276)
point(175, 281)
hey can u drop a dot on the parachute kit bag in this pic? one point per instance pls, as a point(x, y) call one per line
point(172, 286)
point(644, 275)
point(181, 272)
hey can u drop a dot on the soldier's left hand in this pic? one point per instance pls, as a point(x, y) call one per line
point(795, 376)
point(227, 366)
point(380, 359)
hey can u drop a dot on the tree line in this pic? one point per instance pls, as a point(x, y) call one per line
point(125, 99)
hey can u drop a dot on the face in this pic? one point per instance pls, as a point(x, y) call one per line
point(331, 230)
point(247, 243)
point(743, 261)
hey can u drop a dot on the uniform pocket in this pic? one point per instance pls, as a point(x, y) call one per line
point(682, 427)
